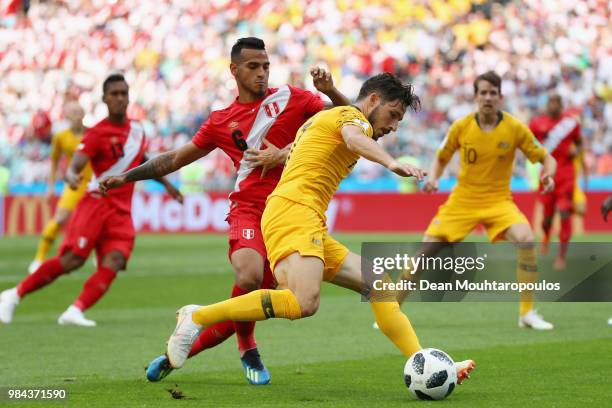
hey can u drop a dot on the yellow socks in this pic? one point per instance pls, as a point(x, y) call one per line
point(526, 272)
point(396, 326)
point(257, 305)
point(48, 236)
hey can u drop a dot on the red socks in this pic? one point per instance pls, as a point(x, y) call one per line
point(212, 336)
point(95, 287)
point(44, 275)
point(564, 235)
point(245, 331)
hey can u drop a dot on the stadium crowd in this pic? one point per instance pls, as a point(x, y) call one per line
point(175, 57)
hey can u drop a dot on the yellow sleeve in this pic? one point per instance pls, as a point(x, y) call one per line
point(56, 147)
point(529, 145)
point(352, 116)
point(450, 144)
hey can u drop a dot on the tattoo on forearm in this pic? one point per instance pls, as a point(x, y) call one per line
point(152, 169)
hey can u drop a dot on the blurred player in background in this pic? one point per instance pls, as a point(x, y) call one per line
point(103, 223)
point(255, 131)
point(487, 141)
point(559, 134)
point(64, 144)
point(301, 252)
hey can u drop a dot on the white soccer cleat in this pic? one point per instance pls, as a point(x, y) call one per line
point(375, 326)
point(610, 321)
point(34, 265)
point(9, 299)
point(535, 321)
point(185, 334)
point(464, 368)
point(74, 316)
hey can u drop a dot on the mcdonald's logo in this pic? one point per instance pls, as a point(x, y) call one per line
point(24, 213)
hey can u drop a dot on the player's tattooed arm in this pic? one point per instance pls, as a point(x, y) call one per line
point(173, 191)
point(322, 80)
point(157, 167)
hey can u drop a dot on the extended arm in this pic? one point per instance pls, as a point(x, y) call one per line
point(436, 171)
point(173, 191)
point(367, 148)
point(322, 80)
point(157, 167)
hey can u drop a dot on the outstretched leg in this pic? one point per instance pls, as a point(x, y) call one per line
point(391, 320)
point(46, 273)
point(301, 275)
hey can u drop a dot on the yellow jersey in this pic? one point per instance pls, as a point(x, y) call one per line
point(487, 158)
point(65, 143)
point(319, 159)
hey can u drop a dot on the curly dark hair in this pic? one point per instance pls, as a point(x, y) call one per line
point(390, 88)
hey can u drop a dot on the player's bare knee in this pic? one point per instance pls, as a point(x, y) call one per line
point(248, 277)
point(114, 261)
point(309, 303)
point(71, 261)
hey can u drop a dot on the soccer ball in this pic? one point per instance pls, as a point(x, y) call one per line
point(430, 374)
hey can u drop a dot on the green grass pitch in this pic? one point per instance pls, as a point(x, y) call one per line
point(332, 359)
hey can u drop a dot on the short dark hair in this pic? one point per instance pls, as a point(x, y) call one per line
point(390, 88)
point(491, 77)
point(252, 43)
point(110, 79)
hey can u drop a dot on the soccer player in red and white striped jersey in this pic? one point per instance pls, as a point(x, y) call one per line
point(559, 133)
point(255, 131)
point(100, 222)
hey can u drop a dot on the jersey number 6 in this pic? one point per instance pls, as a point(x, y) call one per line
point(240, 143)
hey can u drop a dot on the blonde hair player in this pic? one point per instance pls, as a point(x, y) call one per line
point(63, 144)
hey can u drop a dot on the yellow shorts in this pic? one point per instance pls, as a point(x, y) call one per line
point(578, 197)
point(70, 198)
point(289, 227)
point(454, 222)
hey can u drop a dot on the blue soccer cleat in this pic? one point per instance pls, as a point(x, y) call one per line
point(158, 369)
point(254, 370)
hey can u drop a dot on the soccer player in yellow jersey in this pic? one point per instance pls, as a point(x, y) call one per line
point(487, 141)
point(301, 252)
point(64, 143)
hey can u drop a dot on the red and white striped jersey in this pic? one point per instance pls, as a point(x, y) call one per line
point(557, 136)
point(113, 149)
point(240, 126)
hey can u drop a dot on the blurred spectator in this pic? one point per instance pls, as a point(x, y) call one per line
point(175, 57)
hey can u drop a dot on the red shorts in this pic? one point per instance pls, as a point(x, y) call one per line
point(245, 232)
point(96, 223)
point(561, 198)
